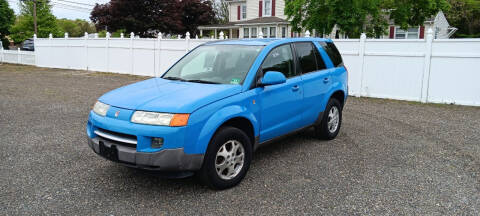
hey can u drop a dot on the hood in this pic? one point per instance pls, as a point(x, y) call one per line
point(160, 95)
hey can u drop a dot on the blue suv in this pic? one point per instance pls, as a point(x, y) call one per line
point(220, 102)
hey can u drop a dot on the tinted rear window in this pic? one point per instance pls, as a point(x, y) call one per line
point(306, 57)
point(333, 53)
point(320, 63)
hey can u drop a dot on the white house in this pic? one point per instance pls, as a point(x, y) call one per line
point(248, 17)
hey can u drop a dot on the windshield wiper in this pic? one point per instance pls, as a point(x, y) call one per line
point(175, 78)
point(203, 81)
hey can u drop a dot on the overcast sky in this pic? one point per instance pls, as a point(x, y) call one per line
point(70, 9)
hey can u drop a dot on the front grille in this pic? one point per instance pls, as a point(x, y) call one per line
point(117, 138)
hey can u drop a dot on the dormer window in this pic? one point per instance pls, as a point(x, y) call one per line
point(267, 7)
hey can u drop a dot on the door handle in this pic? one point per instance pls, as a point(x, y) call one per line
point(295, 88)
point(326, 80)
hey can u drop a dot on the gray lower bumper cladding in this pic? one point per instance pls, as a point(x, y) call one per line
point(164, 160)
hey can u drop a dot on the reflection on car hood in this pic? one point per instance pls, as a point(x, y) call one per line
point(169, 96)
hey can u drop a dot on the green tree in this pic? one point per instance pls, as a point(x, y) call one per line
point(356, 16)
point(46, 21)
point(7, 18)
point(75, 28)
point(465, 15)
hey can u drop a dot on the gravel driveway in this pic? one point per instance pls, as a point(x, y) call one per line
point(391, 157)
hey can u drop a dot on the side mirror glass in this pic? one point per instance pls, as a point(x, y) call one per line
point(273, 78)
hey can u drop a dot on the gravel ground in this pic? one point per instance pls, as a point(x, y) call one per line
point(391, 158)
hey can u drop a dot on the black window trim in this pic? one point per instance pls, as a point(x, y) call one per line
point(316, 63)
point(259, 72)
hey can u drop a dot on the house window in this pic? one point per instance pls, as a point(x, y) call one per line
point(284, 32)
point(246, 33)
point(273, 32)
point(410, 33)
point(267, 8)
point(265, 32)
point(254, 32)
point(244, 11)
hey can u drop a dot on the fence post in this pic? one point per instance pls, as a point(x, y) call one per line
point(50, 37)
point(427, 64)
point(307, 34)
point(18, 56)
point(158, 58)
point(2, 54)
point(221, 35)
point(187, 41)
point(361, 54)
point(34, 43)
point(132, 35)
point(67, 49)
point(107, 47)
point(85, 41)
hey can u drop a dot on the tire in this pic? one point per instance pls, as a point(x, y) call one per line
point(325, 130)
point(218, 175)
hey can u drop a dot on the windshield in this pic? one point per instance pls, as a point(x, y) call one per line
point(220, 64)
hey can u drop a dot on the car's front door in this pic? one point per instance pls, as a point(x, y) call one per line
point(281, 104)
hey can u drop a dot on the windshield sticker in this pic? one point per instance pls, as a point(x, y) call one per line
point(235, 81)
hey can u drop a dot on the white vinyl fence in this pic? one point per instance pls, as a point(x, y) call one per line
point(137, 56)
point(17, 57)
point(427, 70)
point(438, 71)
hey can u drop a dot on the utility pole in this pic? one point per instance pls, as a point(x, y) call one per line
point(35, 16)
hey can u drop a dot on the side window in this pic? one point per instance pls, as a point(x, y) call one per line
point(280, 59)
point(333, 53)
point(320, 63)
point(306, 57)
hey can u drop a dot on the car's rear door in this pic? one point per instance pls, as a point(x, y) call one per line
point(281, 104)
point(316, 81)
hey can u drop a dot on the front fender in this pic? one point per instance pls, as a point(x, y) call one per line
point(219, 118)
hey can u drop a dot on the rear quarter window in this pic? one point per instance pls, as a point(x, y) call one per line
point(333, 53)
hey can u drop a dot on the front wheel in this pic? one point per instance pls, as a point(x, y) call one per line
point(331, 121)
point(227, 159)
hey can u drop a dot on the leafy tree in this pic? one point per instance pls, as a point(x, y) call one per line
point(116, 34)
point(75, 28)
point(46, 22)
point(195, 13)
point(7, 18)
point(222, 11)
point(356, 16)
point(465, 15)
point(148, 17)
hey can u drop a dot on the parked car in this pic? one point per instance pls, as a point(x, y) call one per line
point(28, 45)
point(220, 102)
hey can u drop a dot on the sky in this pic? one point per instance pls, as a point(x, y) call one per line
point(70, 9)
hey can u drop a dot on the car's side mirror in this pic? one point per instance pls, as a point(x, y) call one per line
point(273, 78)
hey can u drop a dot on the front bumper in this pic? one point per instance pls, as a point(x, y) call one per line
point(164, 160)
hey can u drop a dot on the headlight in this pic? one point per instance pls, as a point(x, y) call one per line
point(165, 119)
point(100, 108)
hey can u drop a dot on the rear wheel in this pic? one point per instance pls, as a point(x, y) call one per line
point(331, 121)
point(227, 159)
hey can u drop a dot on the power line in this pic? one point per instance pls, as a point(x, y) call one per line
point(79, 3)
point(76, 10)
point(71, 5)
point(57, 4)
